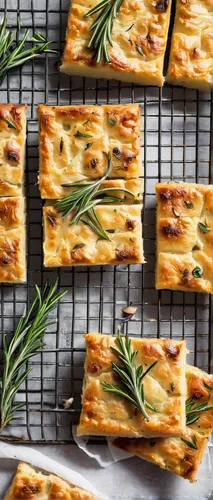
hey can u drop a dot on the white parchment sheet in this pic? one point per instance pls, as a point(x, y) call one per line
point(130, 479)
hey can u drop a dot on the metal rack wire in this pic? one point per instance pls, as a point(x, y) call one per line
point(177, 143)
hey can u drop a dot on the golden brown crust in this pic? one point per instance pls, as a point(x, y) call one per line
point(183, 242)
point(191, 56)
point(170, 453)
point(31, 485)
point(65, 158)
point(110, 415)
point(139, 39)
point(12, 148)
point(62, 240)
point(12, 240)
point(173, 453)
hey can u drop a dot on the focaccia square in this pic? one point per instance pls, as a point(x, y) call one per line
point(74, 141)
point(107, 414)
point(175, 454)
point(185, 237)
point(78, 244)
point(12, 240)
point(191, 56)
point(139, 37)
point(32, 485)
point(12, 148)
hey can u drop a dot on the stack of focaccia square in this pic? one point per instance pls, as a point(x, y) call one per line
point(74, 144)
point(12, 201)
point(178, 400)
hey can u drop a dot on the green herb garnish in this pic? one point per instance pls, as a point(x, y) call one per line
point(130, 376)
point(88, 145)
point(188, 204)
point(101, 28)
point(11, 57)
point(10, 123)
point(193, 410)
point(208, 387)
point(81, 134)
point(139, 49)
point(130, 27)
point(197, 272)
point(193, 444)
point(111, 121)
point(25, 343)
point(203, 227)
point(82, 201)
point(79, 245)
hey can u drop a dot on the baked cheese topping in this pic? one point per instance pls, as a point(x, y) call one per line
point(12, 148)
point(175, 454)
point(29, 484)
point(74, 245)
point(191, 56)
point(107, 414)
point(12, 240)
point(185, 237)
point(74, 141)
point(139, 38)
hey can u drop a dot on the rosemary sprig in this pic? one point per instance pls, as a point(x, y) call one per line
point(192, 444)
point(130, 376)
point(83, 200)
point(11, 57)
point(193, 410)
point(101, 28)
point(25, 343)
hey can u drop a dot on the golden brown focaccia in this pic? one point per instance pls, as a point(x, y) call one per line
point(12, 240)
point(139, 38)
point(78, 244)
point(31, 485)
point(74, 139)
point(107, 414)
point(175, 454)
point(191, 56)
point(12, 148)
point(185, 237)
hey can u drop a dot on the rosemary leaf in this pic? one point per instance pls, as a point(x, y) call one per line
point(82, 201)
point(203, 227)
point(130, 376)
point(25, 343)
point(192, 444)
point(188, 204)
point(101, 28)
point(10, 123)
point(193, 410)
point(139, 49)
point(88, 145)
point(197, 272)
point(208, 387)
point(81, 134)
point(79, 245)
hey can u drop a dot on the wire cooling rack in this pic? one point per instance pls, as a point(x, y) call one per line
point(177, 143)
